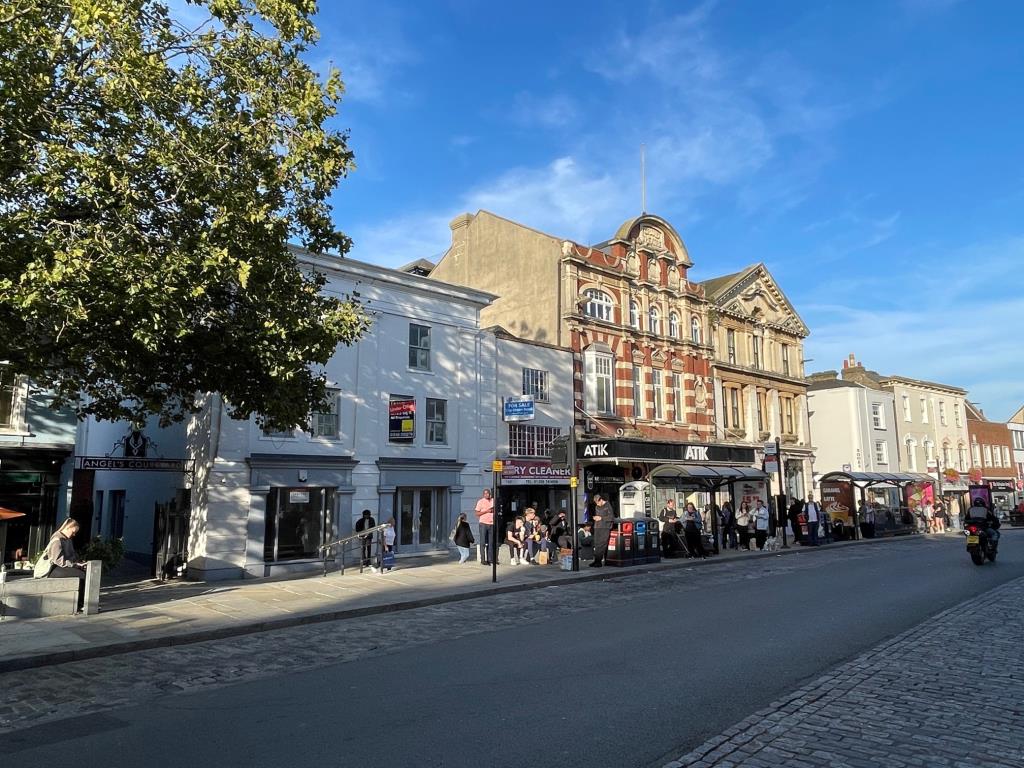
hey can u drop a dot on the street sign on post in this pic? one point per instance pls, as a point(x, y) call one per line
point(771, 449)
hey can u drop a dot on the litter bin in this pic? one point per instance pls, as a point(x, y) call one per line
point(652, 539)
point(622, 543)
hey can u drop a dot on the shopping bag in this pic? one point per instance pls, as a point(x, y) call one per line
point(387, 560)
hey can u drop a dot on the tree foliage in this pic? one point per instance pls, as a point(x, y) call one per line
point(154, 167)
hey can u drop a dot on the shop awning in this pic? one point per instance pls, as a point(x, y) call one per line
point(703, 475)
point(867, 479)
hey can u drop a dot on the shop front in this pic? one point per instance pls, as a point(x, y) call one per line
point(534, 483)
point(423, 496)
point(1003, 496)
point(30, 486)
point(685, 472)
point(296, 504)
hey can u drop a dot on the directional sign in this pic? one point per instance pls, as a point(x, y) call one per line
point(770, 449)
point(497, 466)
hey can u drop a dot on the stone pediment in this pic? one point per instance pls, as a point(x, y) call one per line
point(757, 297)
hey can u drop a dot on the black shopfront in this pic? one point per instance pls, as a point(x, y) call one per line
point(608, 464)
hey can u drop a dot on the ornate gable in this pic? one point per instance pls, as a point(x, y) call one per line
point(756, 296)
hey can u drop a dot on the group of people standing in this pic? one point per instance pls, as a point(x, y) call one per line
point(533, 538)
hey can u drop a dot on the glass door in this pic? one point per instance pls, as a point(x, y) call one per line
point(419, 519)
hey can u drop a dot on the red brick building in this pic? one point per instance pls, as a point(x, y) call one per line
point(992, 456)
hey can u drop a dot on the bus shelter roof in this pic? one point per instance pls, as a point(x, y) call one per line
point(709, 476)
point(868, 479)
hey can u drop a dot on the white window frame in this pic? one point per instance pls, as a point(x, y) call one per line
point(535, 382)
point(956, 415)
point(911, 445)
point(677, 397)
point(634, 314)
point(947, 455)
point(929, 451)
point(986, 451)
point(908, 412)
point(785, 358)
point(638, 393)
point(673, 325)
point(755, 351)
point(1005, 450)
point(433, 424)
point(961, 454)
point(942, 413)
point(976, 454)
point(658, 394)
point(695, 330)
point(531, 440)
point(18, 394)
point(419, 350)
point(599, 305)
point(924, 409)
point(320, 420)
point(599, 370)
point(730, 345)
point(654, 321)
point(877, 416)
point(881, 452)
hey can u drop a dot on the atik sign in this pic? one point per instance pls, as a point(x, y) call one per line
point(518, 408)
point(529, 472)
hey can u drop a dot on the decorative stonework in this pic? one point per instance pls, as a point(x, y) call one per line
point(650, 237)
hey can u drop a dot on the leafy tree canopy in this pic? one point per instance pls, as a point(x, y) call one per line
point(153, 169)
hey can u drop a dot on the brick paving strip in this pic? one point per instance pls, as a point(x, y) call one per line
point(924, 698)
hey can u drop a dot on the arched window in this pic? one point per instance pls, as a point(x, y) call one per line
point(673, 325)
point(911, 454)
point(695, 330)
point(634, 315)
point(599, 305)
point(961, 455)
point(654, 321)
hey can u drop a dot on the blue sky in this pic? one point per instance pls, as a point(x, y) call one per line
point(869, 153)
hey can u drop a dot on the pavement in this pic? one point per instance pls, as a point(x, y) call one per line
point(949, 692)
point(148, 614)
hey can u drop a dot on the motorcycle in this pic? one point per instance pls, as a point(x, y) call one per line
point(980, 544)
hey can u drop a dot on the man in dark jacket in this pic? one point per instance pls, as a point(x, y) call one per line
point(603, 515)
point(795, 509)
point(365, 523)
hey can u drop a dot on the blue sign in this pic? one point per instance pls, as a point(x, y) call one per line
point(519, 408)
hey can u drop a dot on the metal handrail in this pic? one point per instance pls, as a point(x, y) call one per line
point(354, 536)
point(361, 535)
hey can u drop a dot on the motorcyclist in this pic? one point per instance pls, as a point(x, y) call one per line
point(980, 513)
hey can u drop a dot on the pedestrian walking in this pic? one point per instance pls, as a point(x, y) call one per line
point(602, 517)
point(761, 517)
point(462, 535)
point(813, 514)
point(365, 523)
point(389, 546)
point(484, 511)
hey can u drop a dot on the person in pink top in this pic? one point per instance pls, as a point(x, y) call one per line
point(485, 518)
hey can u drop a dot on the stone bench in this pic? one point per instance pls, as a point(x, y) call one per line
point(22, 597)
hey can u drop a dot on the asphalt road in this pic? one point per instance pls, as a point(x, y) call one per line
point(630, 683)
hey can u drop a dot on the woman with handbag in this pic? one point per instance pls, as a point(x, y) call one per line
point(462, 535)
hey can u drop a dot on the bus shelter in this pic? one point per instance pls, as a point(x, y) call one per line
point(890, 519)
point(709, 478)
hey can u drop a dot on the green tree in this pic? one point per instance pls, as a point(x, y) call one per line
point(153, 171)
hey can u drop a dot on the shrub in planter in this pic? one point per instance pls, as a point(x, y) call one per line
point(109, 551)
